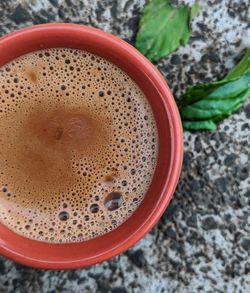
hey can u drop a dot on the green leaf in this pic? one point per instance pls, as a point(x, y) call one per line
point(231, 88)
point(242, 67)
point(201, 125)
point(204, 105)
point(212, 109)
point(194, 10)
point(163, 28)
point(196, 92)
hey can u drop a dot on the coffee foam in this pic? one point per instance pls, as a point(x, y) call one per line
point(78, 145)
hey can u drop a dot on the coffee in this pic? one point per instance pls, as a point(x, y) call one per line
point(78, 145)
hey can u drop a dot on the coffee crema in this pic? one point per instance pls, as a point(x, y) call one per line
point(78, 145)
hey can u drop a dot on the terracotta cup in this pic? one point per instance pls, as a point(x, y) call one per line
point(74, 255)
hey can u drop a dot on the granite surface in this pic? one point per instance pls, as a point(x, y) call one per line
point(202, 242)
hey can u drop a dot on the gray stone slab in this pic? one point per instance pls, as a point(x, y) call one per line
point(202, 242)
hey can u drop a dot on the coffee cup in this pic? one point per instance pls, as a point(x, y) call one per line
point(81, 254)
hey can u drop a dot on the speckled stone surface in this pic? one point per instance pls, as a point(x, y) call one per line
point(202, 242)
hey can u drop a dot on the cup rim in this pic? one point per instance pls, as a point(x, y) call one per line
point(176, 143)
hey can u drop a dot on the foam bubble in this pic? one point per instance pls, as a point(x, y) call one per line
point(113, 201)
point(78, 145)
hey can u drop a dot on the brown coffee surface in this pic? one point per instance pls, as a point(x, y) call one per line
point(78, 145)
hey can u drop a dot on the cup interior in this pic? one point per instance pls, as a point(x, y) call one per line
point(73, 255)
